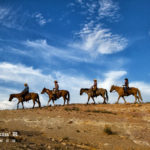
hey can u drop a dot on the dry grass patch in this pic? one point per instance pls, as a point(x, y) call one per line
point(72, 109)
point(108, 130)
point(101, 111)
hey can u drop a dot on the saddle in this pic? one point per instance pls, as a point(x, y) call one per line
point(94, 93)
point(55, 94)
point(25, 96)
point(126, 91)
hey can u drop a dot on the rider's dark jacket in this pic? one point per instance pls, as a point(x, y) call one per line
point(26, 90)
point(126, 83)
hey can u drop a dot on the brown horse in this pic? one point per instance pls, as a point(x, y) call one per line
point(62, 93)
point(33, 96)
point(100, 91)
point(131, 91)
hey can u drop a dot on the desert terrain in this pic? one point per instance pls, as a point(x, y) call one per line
point(77, 126)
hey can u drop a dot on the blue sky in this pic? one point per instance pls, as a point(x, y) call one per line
point(73, 42)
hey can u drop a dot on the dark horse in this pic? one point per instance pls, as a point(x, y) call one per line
point(100, 91)
point(62, 93)
point(33, 96)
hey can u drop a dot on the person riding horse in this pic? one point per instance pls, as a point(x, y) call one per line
point(126, 85)
point(25, 91)
point(94, 87)
point(55, 89)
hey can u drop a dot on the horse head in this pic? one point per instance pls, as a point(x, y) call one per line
point(112, 88)
point(81, 91)
point(43, 91)
point(11, 97)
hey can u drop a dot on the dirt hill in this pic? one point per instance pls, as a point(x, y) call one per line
point(77, 126)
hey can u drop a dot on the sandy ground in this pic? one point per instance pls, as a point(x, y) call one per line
point(77, 126)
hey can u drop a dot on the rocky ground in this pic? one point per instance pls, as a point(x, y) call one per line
point(77, 126)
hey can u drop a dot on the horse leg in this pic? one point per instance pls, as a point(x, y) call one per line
point(18, 104)
point(22, 105)
point(135, 99)
point(67, 101)
point(93, 100)
point(138, 99)
point(53, 103)
point(124, 99)
point(104, 102)
point(64, 100)
point(48, 102)
point(88, 99)
point(33, 103)
point(37, 102)
point(118, 99)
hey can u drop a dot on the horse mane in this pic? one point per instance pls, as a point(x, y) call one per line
point(116, 86)
point(85, 88)
point(15, 94)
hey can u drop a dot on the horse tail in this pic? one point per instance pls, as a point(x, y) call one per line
point(38, 99)
point(107, 96)
point(139, 94)
point(68, 96)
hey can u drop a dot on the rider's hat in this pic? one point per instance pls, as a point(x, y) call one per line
point(126, 79)
point(25, 84)
point(56, 81)
point(94, 80)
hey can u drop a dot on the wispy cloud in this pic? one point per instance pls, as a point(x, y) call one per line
point(12, 17)
point(108, 8)
point(41, 19)
point(100, 40)
point(100, 9)
point(94, 37)
point(6, 17)
point(50, 51)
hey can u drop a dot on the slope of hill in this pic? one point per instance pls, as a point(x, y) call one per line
point(77, 126)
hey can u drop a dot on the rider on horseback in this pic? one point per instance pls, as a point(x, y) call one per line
point(25, 91)
point(55, 89)
point(126, 85)
point(94, 87)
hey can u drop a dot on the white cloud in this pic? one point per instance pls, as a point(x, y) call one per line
point(95, 38)
point(100, 9)
point(21, 74)
point(47, 51)
point(100, 40)
point(113, 78)
point(108, 8)
point(41, 20)
point(4, 96)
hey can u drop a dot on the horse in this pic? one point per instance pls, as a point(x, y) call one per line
point(100, 91)
point(131, 91)
point(62, 93)
point(33, 96)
